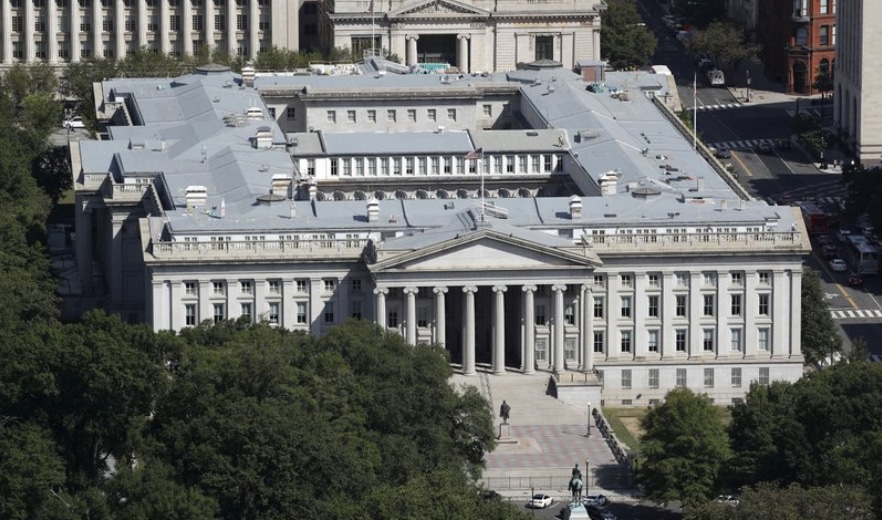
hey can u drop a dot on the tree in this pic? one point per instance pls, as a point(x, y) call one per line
point(625, 41)
point(820, 338)
point(724, 42)
point(31, 471)
point(701, 12)
point(684, 449)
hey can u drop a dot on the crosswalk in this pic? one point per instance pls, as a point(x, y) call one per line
point(720, 106)
point(810, 111)
point(741, 144)
point(854, 314)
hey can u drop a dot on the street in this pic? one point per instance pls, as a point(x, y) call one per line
point(622, 511)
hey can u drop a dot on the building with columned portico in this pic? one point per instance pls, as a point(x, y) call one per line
point(528, 221)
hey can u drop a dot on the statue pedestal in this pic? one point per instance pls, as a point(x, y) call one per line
point(505, 434)
point(575, 511)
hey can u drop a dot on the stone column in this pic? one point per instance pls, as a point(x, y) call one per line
point(119, 27)
point(158, 312)
point(499, 329)
point(462, 53)
point(231, 28)
point(142, 27)
point(695, 310)
point(380, 313)
point(186, 32)
point(74, 11)
point(51, 32)
point(209, 25)
point(440, 318)
point(85, 255)
point(27, 35)
point(468, 355)
point(115, 280)
point(253, 28)
point(177, 310)
point(780, 315)
point(163, 26)
point(559, 328)
point(410, 324)
point(6, 31)
point(97, 29)
point(203, 305)
point(528, 344)
point(587, 327)
point(795, 309)
point(751, 306)
point(412, 49)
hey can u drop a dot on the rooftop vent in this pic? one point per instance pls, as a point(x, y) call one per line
point(373, 210)
point(575, 207)
point(645, 192)
point(196, 196)
point(281, 185)
point(609, 183)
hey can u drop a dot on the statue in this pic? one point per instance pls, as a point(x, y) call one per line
point(504, 410)
point(577, 473)
point(576, 487)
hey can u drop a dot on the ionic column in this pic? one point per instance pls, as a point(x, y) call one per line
point(6, 31)
point(97, 29)
point(412, 49)
point(440, 318)
point(795, 343)
point(187, 27)
point(51, 32)
point(587, 327)
point(410, 330)
point(468, 355)
point(380, 314)
point(253, 28)
point(558, 361)
point(74, 38)
point(142, 24)
point(781, 316)
point(462, 53)
point(231, 28)
point(30, 46)
point(209, 25)
point(499, 329)
point(164, 26)
point(528, 346)
point(119, 28)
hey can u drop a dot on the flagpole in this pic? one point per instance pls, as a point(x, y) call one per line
point(695, 111)
point(481, 173)
point(373, 29)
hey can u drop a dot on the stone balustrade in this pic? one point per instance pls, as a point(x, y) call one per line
point(785, 241)
point(346, 249)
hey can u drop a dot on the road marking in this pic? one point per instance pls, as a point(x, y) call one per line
point(741, 163)
point(849, 314)
point(838, 286)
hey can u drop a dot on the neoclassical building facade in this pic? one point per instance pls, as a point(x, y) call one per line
point(523, 221)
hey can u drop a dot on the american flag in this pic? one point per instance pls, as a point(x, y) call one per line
point(371, 7)
point(475, 154)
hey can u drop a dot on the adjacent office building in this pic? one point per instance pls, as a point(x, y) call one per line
point(477, 35)
point(527, 221)
point(858, 100)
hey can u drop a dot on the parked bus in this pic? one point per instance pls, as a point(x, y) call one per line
point(864, 255)
point(816, 220)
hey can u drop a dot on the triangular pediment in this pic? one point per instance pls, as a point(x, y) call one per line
point(429, 8)
point(483, 251)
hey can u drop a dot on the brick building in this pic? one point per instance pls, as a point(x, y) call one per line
point(798, 39)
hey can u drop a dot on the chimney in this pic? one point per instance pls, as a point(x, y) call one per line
point(373, 210)
point(608, 183)
point(313, 191)
point(575, 207)
point(281, 185)
point(292, 210)
point(196, 196)
point(248, 75)
point(222, 211)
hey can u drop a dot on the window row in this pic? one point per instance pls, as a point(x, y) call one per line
point(273, 314)
point(246, 287)
point(111, 4)
point(370, 115)
point(437, 165)
point(681, 279)
point(681, 340)
point(681, 306)
point(681, 377)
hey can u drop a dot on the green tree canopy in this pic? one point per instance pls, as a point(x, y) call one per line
point(724, 42)
point(625, 41)
point(820, 337)
point(684, 449)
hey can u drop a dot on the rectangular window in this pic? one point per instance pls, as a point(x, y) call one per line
point(598, 341)
point(220, 22)
point(598, 306)
point(652, 340)
point(710, 278)
point(332, 116)
point(763, 305)
point(680, 340)
point(708, 377)
point(652, 307)
point(824, 35)
point(764, 375)
point(737, 278)
point(356, 310)
point(654, 280)
point(246, 287)
point(302, 286)
point(626, 306)
point(626, 341)
point(275, 286)
point(329, 312)
point(411, 115)
point(736, 377)
point(653, 378)
point(824, 7)
point(765, 278)
point(245, 312)
point(174, 22)
point(350, 116)
point(540, 314)
point(541, 348)
point(626, 379)
point(391, 115)
point(131, 25)
point(422, 317)
point(544, 46)
point(198, 22)
point(107, 24)
point(219, 312)
point(735, 340)
point(190, 313)
point(432, 114)
point(682, 279)
point(242, 22)
point(681, 305)
point(681, 377)
point(488, 110)
point(570, 314)
point(708, 339)
point(273, 314)
point(451, 114)
point(329, 284)
point(627, 280)
point(736, 305)
point(708, 304)
point(599, 281)
point(302, 310)
point(17, 24)
point(190, 288)
point(219, 287)
point(570, 352)
point(762, 339)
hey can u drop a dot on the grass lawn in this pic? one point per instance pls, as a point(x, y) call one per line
point(625, 423)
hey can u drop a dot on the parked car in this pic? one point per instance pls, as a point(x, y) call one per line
point(782, 143)
point(492, 495)
point(75, 122)
point(855, 279)
point(830, 251)
point(764, 147)
point(842, 234)
point(723, 153)
point(595, 500)
point(596, 514)
point(540, 501)
point(838, 265)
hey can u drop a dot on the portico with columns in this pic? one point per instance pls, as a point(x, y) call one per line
point(445, 291)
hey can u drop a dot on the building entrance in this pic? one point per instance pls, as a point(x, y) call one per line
point(437, 48)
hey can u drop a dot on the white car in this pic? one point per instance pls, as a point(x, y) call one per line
point(75, 122)
point(540, 501)
point(838, 265)
point(595, 500)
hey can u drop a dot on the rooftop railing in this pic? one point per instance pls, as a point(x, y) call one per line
point(260, 249)
point(793, 241)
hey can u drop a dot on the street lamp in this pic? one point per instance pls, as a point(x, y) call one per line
point(587, 477)
point(748, 86)
point(823, 146)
